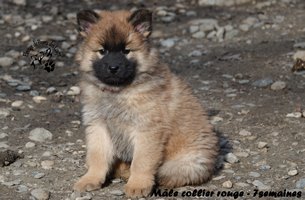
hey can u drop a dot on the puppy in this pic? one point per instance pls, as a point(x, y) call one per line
point(136, 112)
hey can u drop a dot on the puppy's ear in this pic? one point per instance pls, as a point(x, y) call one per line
point(85, 20)
point(142, 21)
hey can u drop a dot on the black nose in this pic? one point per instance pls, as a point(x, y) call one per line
point(113, 68)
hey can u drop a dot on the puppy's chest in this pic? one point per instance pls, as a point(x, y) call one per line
point(121, 121)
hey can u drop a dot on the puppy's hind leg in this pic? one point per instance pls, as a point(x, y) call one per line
point(99, 158)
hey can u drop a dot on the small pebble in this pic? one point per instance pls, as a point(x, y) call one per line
point(227, 184)
point(260, 185)
point(20, 2)
point(265, 167)
point(117, 180)
point(262, 145)
point(23, 88)
point(245, 133)
point(40, 194)
point(262, 82)
point(254, 174)
point(3, 135)
point(51, 90)
point(293, 172)
point(12, 183)
point(47, 164)
point(74, 90)
point(4, 112)
point(29, 145)
point(6, 61)
point(168, 43)
point(22, 188)
point(294, 115)
point(117, 192)
point(39, 99)
point(198, 35)
point(300, 184)
point(241, 184)
point(231, 158)
point(17, 104)
point(38, 175)
point(278, 85)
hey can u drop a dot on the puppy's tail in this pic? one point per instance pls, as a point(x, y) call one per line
point(189, 169)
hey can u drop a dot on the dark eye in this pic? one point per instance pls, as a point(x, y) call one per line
point(125, 51)
point(103, 51)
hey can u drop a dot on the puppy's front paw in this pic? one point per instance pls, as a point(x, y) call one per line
point(139, 187)
point(87, 183)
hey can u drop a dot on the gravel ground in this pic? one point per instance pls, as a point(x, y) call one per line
point(236, 54)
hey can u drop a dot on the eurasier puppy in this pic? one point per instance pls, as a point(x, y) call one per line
point(140, 118)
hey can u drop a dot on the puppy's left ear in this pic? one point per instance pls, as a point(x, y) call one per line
point(142, 21)
point(85, 20)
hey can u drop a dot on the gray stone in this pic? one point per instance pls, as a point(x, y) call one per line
point(47, 164)
point(6, 61)
point(11, 183)
point(17, 104)
point(194, 28)
point(278, 85)
point(117, 180)
point(29, 145)
point(74, 90)
point(168, 43)
point(168, 19)
point(22, 188)
point(23, 87)
point(4, 145)
point(195, 53)
point(300, 184)
point(39, 99)
point(300, 45)
point(300, 55)
point(261, 145)
point(231, 158)
point(254, 174)
point(294, 115)
point(292, 172)
point(38, 175)
point(51, 90)
point(47, 18)
point(244, 132)
point(117, 192)
point(40, 194)
point(87, 196)
point(221, 2)
point(198, 35)
point(261, 83)
point(18, 172)
point(34, 93)
point(205, 25)
point(260, 185)
point(13, 53)
point(3, 135)
point(4, 112)
point(242, 184)
point(265, 167)
point(40, 135)
point(20, 2)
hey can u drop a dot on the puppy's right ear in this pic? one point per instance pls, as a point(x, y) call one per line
point(85, 20)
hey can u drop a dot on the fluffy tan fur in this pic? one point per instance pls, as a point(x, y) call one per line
point(154, 125)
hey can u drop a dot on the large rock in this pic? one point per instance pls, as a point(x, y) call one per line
point(40, 135)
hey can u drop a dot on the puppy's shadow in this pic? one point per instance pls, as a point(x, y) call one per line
point(225, 146)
